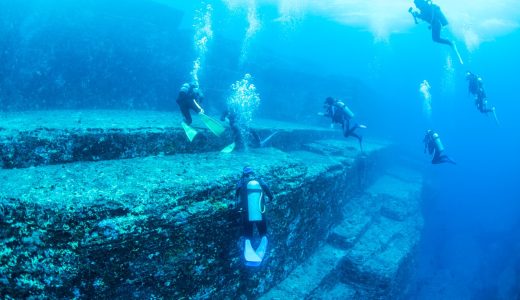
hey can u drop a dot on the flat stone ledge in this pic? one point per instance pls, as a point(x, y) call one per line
point(54, 137)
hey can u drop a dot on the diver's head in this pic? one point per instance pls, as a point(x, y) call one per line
point(469, 75)
point(194, 84)
point(330, 101)
point(185, 87)
point(247, 171)
point(421, 4)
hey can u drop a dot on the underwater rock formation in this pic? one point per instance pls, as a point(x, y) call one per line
point(367, 255)
point(164, 227)
point(54, 137)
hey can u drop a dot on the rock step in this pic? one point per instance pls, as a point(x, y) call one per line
point(161, 226)
point(366, 253)
point(307, 277)
point(55, 137)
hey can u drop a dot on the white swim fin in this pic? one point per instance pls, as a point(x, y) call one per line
point(250, 254)
point(260, 251)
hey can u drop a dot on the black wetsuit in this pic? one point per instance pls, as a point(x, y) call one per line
point(476, 88)
point(432, 14)
point(438, 155)
point(186, 101)
point(238, 132)
point(241, 195)
point(336, 111)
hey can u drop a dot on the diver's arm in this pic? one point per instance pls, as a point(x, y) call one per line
point(266, 190)
point(236, 202)
point(224, 115)
point(201, 111)
point(414, 14)
point(426, 142)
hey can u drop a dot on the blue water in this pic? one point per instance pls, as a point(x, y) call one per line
point(136, 54)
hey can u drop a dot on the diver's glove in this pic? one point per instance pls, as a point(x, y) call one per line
point(414, 14)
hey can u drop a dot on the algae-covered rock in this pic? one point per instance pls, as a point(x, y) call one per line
point(162, 227)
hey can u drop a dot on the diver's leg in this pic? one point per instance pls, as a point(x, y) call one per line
point(345, 126)
point(262, 227)
point(436, 34)
point(446, 159)
point(248, 228)
point(256, 142)
point(237, 136)
point(436, 158)
point(185, 110)
point(262, 230)
point(485, 107)
point(359, 137)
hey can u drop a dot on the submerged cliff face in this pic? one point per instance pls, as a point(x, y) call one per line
point(165, 226)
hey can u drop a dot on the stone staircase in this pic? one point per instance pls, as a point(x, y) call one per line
point(366, 256)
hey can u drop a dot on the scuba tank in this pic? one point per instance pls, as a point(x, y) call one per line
point(345, 109)
point(439, 14)
point(438, 144)
point(254, 201)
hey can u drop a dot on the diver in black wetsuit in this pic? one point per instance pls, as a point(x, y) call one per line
point(433, 144)
point(476, 88)
point(190, 97)
point(238, 132)
point(341, 114)
point(432, 14)
point(250, 194)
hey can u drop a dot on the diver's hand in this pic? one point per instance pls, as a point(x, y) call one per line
point(332, 125)
point(321, 114)
point(201, 111)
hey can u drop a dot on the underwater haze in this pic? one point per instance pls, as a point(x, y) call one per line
point(136, 54)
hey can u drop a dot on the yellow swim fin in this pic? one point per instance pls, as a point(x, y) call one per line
point(190, 132)
point(212, 124)
point(229, 148)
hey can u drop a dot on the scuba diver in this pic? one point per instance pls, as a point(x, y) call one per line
point(190, 97)
point(432, 14)
point(476, 88)
point(433, 144)
point(240, 140)
point(341, 114)
point(250, 194)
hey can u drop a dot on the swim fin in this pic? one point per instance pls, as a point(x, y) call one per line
point(250, 254)
point(441, 159)
point(457, 52)
point(212, 124)
point(229, 148)
point(495, 117)
point(190, 132)
point(260, 251)
point(262, 143)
